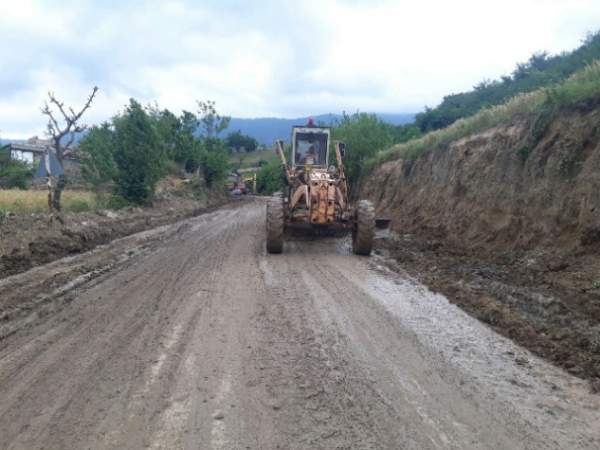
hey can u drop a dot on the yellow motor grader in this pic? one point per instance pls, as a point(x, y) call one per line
point(317, 193)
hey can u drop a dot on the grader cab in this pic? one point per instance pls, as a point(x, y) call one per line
point(316, 196)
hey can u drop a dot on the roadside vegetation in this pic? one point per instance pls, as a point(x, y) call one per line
point(142, 144)
point(539, 107)
point(270, 178)
point(36, 201)
point(539, 71)
point(239, 142)
point(122, 160)
point(16, 174)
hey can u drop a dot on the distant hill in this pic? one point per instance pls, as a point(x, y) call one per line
point(268, 129)
point(10, 141)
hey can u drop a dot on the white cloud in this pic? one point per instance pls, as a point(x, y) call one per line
point(275, 58)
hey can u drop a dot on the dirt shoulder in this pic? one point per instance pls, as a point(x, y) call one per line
point(545, 302)
point(29, 240)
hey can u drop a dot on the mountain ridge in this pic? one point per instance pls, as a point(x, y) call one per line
point(267, 130)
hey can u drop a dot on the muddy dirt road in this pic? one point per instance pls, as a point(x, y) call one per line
point(191, 336)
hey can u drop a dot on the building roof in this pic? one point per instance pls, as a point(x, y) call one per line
point(40, 146)
point(33, 148)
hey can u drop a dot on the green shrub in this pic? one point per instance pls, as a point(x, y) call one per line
point(17, 174)
point(270, 178)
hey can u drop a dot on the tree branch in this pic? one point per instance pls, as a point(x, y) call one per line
point(60, 106)
point(46, 110)
point(70, 118)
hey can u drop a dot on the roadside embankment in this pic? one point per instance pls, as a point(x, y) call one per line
point(29, 240)
point(506, 223)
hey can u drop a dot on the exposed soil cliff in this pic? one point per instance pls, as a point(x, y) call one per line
point(490, 191)
point(506, 207)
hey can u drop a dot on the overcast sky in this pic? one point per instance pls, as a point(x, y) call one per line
point(268, 58)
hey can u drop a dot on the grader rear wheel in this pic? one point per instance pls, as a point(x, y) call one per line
point(363, 232)
point(275, 224)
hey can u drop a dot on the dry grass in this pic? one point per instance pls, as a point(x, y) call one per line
point(18, 201)
point(581, 85)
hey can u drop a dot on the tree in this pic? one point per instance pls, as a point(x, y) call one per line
point(58, 132)
point(214, 161)
point(188, 149)
point(237, 141)
point(167, 126)
point(405, 133)
point(138, 154)
point(364, 135)
point(211, 122)
point(97, 155)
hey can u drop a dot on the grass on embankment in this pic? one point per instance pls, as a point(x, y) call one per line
point(27, 202)
point(538, 105)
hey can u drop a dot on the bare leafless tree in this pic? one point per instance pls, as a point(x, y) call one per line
point(58, 128)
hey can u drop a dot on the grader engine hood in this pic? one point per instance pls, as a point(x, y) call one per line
point(322, 191)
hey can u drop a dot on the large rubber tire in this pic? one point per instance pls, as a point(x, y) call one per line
point(363, 231)
point(275, 224)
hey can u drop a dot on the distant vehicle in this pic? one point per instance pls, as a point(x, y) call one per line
point(235, 182)
point(317, 194)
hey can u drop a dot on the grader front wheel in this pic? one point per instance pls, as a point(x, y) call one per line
point(363, 232)
point(275, 224)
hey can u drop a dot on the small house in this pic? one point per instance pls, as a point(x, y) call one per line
point(30, 151)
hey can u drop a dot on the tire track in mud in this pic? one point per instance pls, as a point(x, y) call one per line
point(178, 325)
point(173, 418)
point(133, 329)
point(304, 368)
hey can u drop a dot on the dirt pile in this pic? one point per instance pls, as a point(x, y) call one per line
point(29, 240)
point(508, 227)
